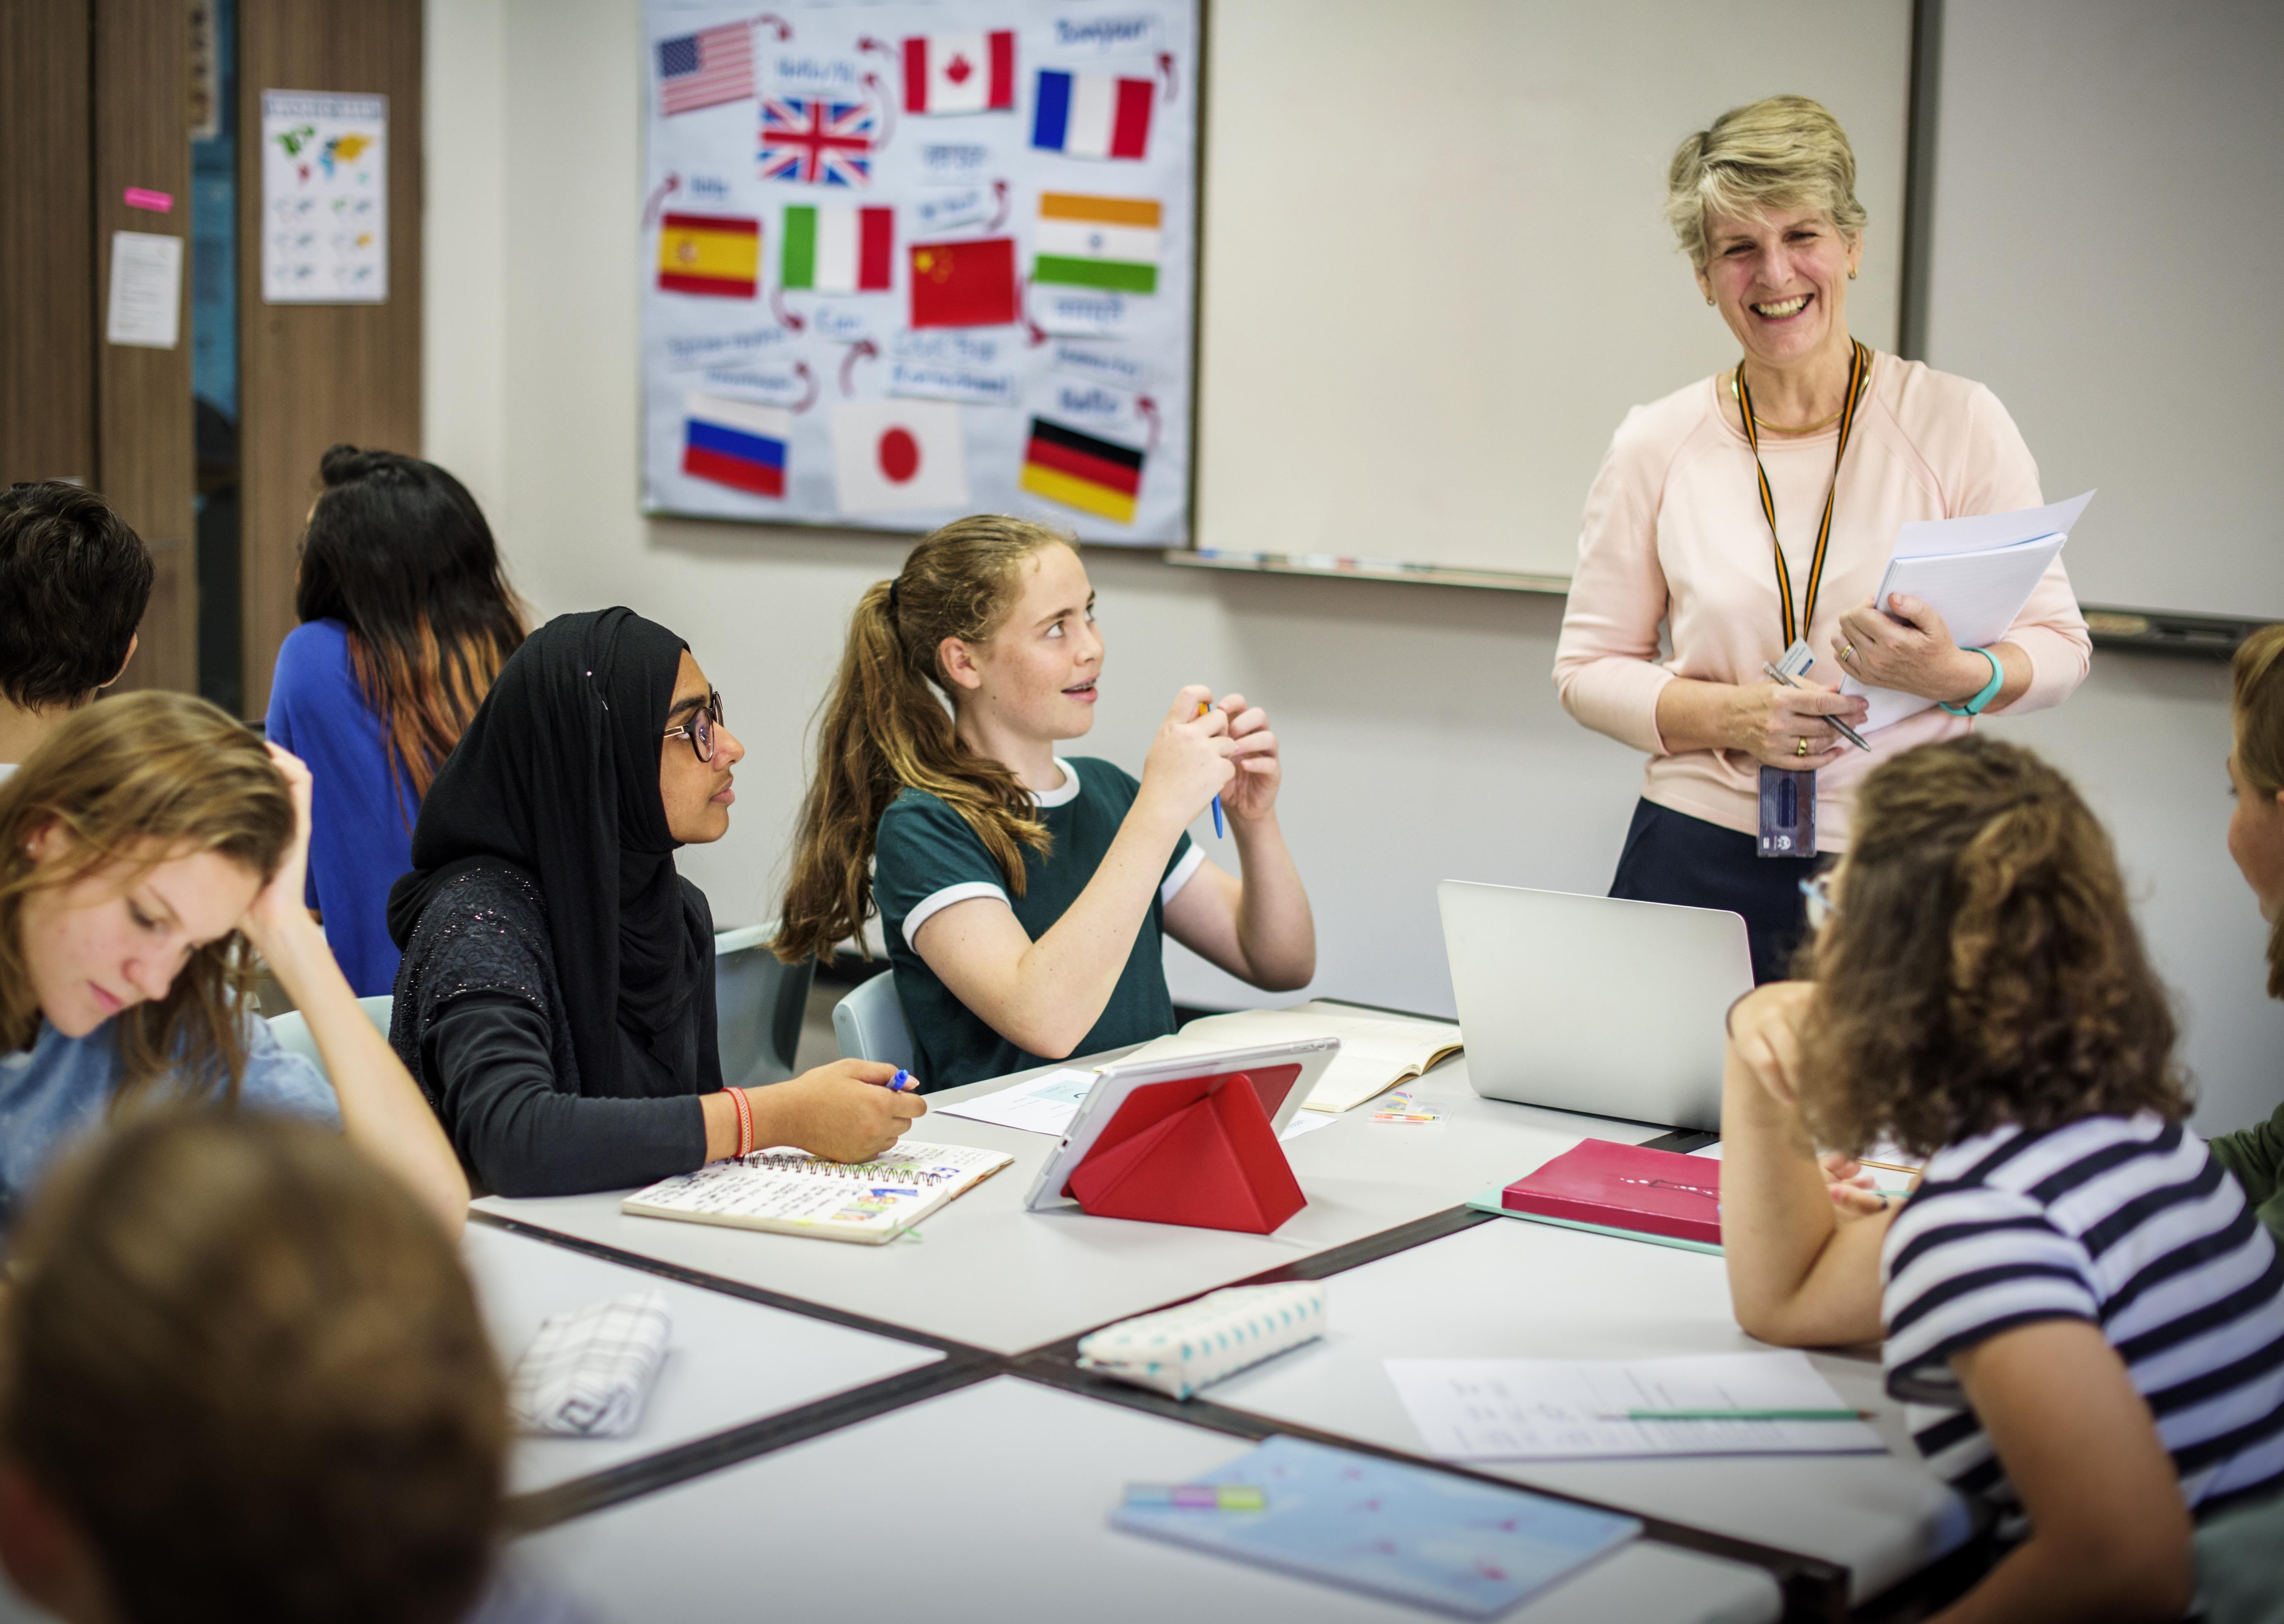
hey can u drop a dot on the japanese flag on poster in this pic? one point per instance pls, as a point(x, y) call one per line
point(961, 73)
point(900, 455)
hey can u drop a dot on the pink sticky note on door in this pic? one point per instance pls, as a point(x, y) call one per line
point(157, 202)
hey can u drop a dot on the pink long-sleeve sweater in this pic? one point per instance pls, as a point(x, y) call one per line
point(1674, 534)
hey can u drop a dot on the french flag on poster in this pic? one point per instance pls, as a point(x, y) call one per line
point(961, 73)
point(1093, 115)
point(736, 443)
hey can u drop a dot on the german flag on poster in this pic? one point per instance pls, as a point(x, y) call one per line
point(1080, 472)
point(716, 254)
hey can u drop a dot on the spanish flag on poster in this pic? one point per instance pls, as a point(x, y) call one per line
point(1078, 470)
point(716, 254)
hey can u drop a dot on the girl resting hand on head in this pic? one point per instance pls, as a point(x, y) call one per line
point(1025, 894)
point(143, 850)
point(2081, 1315)
point(556, 998)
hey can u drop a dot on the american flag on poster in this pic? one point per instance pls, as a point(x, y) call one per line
point(706, 69)
point(818, 141)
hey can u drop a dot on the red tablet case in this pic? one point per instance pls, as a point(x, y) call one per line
point(1197, 1151)
point(1625, 1187)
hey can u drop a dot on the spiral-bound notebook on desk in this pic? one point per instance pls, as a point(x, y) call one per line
point(791, 1192)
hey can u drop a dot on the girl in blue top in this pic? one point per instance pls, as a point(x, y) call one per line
point(143, 850)
point(1024, 894)
point(406, 618)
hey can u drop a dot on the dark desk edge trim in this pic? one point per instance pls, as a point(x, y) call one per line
point(728, 1287)
point(2166, 631)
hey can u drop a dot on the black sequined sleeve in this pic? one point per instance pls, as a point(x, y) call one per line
point(486, 1054)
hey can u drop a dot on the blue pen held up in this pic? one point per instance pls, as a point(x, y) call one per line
point(904, 1080)
point(1219, 832)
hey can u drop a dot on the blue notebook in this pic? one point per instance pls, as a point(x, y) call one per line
point(1408, 1533)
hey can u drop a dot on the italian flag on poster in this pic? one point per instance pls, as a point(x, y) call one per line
point(838, 248)
point(1108, 243)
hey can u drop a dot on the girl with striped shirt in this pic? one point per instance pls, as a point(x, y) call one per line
point(2082, 1316)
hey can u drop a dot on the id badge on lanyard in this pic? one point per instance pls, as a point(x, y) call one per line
point(1788, 798)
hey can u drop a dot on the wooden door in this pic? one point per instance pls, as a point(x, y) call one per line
point(311, 376)
point(47, 242)
point(144, 459)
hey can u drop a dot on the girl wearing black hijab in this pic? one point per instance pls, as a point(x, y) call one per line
point(556, 998)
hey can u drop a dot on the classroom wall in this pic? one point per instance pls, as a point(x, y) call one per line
point(1421, 733)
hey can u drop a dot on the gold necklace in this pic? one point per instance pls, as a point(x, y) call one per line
point(1781, 428)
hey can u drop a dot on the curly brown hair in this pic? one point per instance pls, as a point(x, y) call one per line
point(1982, 967)
point(248, 1364)
point(2257, 709)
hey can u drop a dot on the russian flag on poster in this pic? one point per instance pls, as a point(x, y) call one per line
point(838, 247)
point(898, 456)
point(1093, 115)
point(736, 443)
point(961, 73)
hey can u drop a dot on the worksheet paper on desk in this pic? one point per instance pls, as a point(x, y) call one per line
point(1377, 1051)
point(1977, 572)
point(1544, 1410)
point(1045, 1104)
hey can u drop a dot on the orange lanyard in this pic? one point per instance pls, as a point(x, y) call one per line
point(1859, 367)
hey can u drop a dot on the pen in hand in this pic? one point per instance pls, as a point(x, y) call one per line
point(1219, 833)
point(1790, 681)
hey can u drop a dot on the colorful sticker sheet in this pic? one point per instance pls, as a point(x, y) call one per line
point(907, 261)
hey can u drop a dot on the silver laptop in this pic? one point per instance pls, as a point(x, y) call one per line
point(1592, 1004)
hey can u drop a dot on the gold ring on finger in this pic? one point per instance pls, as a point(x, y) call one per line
point(1847, 653)
point(1802, 750)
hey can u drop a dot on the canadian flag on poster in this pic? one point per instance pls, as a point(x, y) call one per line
point(897, 456)
point(961, 73)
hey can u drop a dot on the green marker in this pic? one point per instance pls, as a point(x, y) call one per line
point(1736, 1415)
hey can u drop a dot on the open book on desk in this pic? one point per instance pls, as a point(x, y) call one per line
point(1377, 1050)
point(1977, 572)
point(792, 1192)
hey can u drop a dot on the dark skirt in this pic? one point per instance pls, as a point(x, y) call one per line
point(1672, 857)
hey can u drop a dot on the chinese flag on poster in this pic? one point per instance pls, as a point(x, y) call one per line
point(965, 285)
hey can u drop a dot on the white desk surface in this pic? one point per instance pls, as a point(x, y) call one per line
point(985, 1272)
point(1510, 1289)
point(992, 1503)
point(729, 1361)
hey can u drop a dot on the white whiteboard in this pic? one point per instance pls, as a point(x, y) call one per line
point(906, 261)
point(1435, 268)
point(2108, 256)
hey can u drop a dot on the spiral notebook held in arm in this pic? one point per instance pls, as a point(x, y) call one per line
point(1621, 1189)
point(1977, 572)
point(789, 1191)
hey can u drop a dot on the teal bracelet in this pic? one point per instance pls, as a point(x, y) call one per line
point(1973, 706)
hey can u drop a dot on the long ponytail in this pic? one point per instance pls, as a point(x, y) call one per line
point(886, 728)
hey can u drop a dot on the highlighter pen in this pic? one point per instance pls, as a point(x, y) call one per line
point(903, 1081)
point(1219, 833)
point(1789, 680)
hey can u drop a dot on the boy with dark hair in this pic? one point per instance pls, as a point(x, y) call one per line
point(74, 583)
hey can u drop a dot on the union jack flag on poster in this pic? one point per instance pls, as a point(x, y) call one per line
point(818, 141)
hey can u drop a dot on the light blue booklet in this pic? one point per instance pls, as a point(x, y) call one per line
point(1409, 1533)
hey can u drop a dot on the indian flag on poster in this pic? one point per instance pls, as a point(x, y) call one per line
point(1108, 243)
point(838, 247)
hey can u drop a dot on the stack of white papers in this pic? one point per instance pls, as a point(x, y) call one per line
point(1977, 572)
point(1542, 1409)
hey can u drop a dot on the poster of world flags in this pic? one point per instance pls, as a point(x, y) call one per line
point(903, 262)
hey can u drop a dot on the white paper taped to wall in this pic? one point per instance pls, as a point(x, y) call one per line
point(145, 307)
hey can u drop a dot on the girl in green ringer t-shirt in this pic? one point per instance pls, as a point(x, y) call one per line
point(1025, 895)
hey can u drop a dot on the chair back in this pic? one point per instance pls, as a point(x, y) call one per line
point(759, 1001)
point(870, 1023)
point(292, 1029)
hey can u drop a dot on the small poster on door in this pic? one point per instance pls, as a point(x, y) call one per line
point(324, 198)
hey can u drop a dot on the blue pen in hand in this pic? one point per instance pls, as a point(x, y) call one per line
point(1219, 832)
point(904, 1080)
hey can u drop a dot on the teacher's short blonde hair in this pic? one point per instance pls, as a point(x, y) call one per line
point(1783, 151)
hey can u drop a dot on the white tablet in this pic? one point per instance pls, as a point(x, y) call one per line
point(1207, 1071)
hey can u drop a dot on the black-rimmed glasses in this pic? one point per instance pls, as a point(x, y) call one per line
point(700, 729)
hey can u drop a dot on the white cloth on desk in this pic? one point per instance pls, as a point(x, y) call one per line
point(587, 1372)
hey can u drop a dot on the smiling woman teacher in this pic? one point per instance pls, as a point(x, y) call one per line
point(1761, 505)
